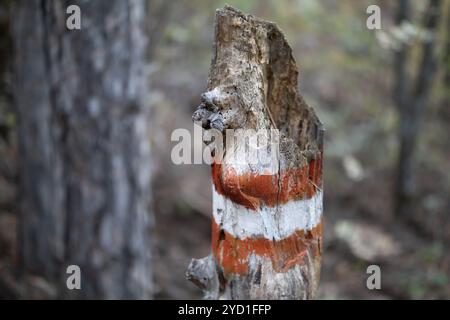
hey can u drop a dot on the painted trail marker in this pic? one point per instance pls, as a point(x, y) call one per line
point(266, 220)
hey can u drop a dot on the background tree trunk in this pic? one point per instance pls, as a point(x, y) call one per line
point(84, 145)
point(267, 217)
point(412, 98)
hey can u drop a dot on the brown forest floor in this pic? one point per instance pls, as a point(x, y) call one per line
point(412, 267)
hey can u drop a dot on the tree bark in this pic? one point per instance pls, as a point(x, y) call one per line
point(267, 217)
point(84, 146)
point(412, 101)
point(400, 57)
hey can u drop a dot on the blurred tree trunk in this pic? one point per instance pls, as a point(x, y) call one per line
point(412, 98)
point(447, 51)
point(84, 146)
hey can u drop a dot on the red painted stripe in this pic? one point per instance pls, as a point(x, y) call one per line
point(232, 254)
point(252, 190)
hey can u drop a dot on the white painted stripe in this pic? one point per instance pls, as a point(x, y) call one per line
point(246, 154)
point(268, 222)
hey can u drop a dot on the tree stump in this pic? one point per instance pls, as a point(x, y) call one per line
point(267, 219)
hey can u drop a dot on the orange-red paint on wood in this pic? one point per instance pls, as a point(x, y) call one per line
point(252, 190)
point(232, 253)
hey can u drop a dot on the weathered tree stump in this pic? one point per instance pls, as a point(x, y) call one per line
point(267, 220)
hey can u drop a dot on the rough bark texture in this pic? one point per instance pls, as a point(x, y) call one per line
point(84, 145)
point(267, 226)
